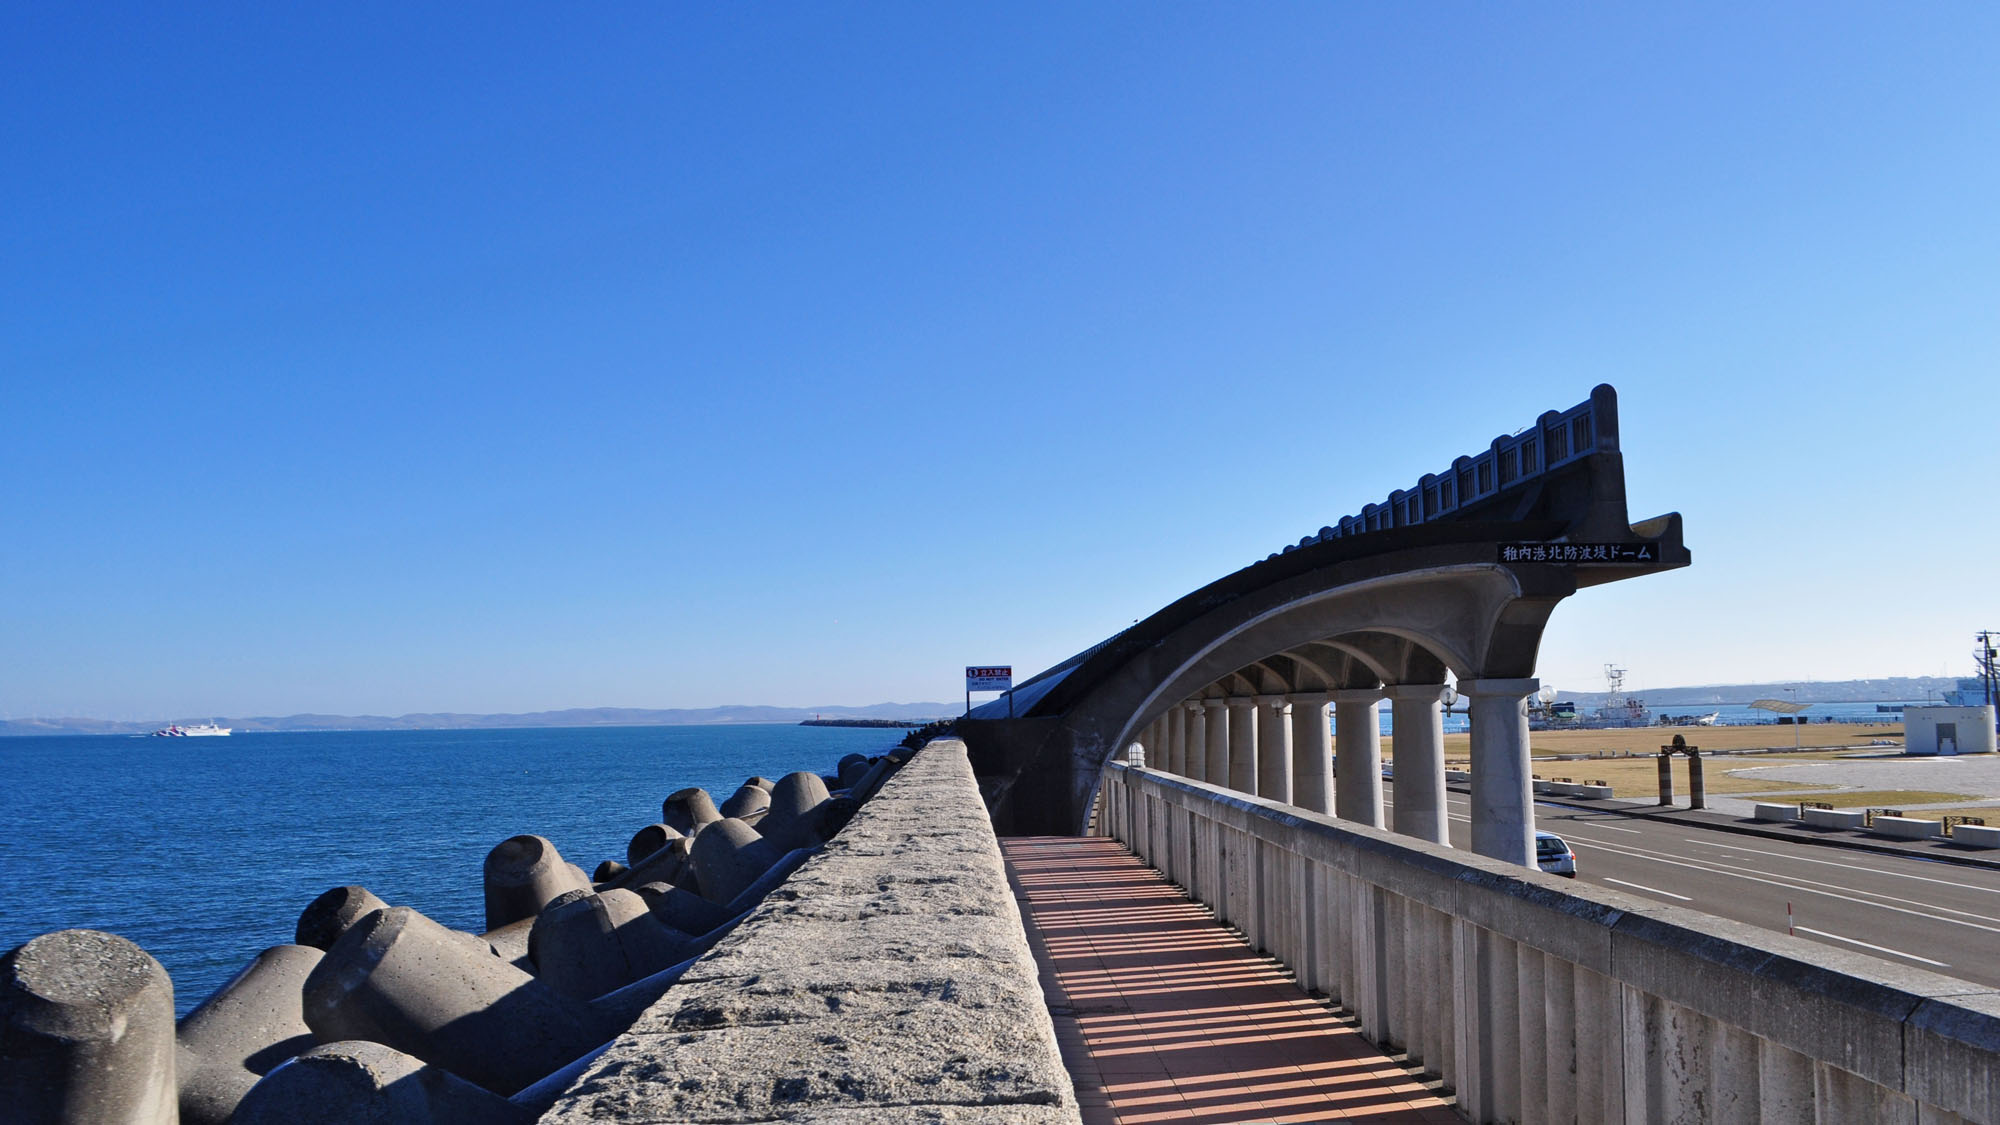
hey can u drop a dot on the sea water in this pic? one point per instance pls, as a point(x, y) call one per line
point(204, 850)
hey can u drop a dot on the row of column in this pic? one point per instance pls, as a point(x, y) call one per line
point(1278, 747)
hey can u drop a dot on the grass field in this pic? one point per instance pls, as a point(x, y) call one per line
point(1640, 777)
point(1648, 740)
point(1890, 798)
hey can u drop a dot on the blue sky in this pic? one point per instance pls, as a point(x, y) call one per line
point(386, 358)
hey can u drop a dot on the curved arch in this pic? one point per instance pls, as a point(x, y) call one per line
point(1466, 589)
point(1455, 615)
point(1431, 604)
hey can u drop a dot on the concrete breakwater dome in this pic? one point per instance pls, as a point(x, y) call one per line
point(1231, 684)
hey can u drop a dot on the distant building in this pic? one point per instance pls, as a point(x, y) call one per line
point(1948, 730)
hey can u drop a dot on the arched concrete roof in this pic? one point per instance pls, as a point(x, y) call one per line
point(1389, 605)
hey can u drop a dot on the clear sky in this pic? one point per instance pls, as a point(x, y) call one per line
point(385, 358)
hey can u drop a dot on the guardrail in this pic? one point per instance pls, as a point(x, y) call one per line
point(1540, 1000)
point(1556, 439)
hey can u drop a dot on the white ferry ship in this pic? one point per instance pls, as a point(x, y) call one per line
point(198, 730)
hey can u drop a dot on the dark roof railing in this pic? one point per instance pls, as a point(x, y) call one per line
point(1558, 438)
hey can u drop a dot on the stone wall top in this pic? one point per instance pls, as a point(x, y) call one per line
point(888, 980)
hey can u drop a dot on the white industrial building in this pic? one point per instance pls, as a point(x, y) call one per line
point(1948, 730)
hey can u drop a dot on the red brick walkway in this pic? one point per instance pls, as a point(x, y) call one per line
point(1164, 1015)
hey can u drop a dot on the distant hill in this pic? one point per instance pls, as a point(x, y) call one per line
point(1808, 691)
point(575, 717)
point(1816, 691)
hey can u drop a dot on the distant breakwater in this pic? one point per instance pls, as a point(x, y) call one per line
point(894, 724)
point(492, 1024)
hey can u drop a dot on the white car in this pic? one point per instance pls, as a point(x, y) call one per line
point(1554, 855)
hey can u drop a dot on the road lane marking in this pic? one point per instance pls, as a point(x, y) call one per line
point(1609, 827)
point(1804, 886)
point(1859, 867)
point(1805, 882)
point(1647, 889)
point(1865, 945)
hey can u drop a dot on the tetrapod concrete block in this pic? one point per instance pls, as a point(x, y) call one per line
point(401, 979)
point(510, 943)
point(601, 943)
point(763, 783)
point(795, 796)
point(327, 917)
point(666, 865)
point(684, 910)
point(852, 769)
point(745, 801)
point(648, 840)
point(686, 810)
point(728, 857)
point(86, 1033)
point(236, 1036)
point(522, 874)
point(355, 1081)
point(872, 780)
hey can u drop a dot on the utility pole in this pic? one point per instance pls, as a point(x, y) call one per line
point(1989, 668)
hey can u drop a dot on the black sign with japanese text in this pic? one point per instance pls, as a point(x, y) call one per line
point(1605, 554)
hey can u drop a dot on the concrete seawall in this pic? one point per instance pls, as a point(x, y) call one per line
point(888, 980)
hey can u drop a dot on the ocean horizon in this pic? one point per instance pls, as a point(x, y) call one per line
point(205, 850)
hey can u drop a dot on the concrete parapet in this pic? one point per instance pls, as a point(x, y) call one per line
point(1908, 827)
point(887, 980)
point(1769, 810)
point(1976, 836)
point(1540, 999)
point(1595, 792)
point(1834, 818)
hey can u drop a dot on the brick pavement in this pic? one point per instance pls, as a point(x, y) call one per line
point(1164, 1015)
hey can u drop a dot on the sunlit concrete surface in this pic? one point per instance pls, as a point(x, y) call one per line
point(1165, 1015)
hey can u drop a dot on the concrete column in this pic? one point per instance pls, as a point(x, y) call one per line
point(1197, 741)
point(1419, 742)
point(1274, 748)
point(1357, 732)
point(1215, 746)
point(1503, 805)
point(1175, 720)
point(1312, 752)
point(1243, 745)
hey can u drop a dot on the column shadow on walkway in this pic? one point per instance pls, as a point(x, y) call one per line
point(1164, 1015)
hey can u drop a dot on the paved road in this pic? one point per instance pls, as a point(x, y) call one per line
point(1940, 916)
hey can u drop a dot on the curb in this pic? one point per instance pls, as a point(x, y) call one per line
point(1701, 818)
